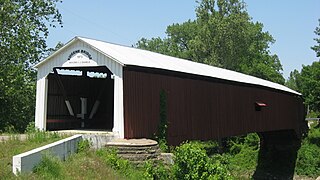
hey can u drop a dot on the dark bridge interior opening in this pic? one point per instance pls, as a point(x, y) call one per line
point(80, 98)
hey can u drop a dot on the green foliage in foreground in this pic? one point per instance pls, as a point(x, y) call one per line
point(82, 165)
point(192, 162)
point(156, 171)
point(49, 167)
point(161, 135)
point(83, 146)
point(110, 157)
point(14, 146)
point(308, 161)
point(242, 154)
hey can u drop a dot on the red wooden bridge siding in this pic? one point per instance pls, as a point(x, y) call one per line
point(203, 108)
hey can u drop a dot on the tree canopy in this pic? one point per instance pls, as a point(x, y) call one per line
point(23, 31)
point(224, 35)
point(308, 80)
point(316, 47)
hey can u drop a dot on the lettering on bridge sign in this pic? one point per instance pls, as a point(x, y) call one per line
point(79, 57)
point(80, 51)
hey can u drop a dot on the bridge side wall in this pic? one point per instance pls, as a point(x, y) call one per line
point(204, 108)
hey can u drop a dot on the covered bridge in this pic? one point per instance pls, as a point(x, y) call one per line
point(99, 85)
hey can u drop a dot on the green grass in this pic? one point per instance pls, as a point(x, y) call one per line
point(78, 166)
point(14, 146)
point(86, 164)
point(89, 164)
point(239, 157)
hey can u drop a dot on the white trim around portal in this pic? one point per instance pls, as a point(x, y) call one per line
point(59, 59)
point(118, 123)
point(41, 103)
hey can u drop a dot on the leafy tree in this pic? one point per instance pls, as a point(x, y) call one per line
point(307, 81)
point(292, 80)
point(223, 35)
point(52, 50)
point(23, 32)
point(316, 47)
point(309, 85)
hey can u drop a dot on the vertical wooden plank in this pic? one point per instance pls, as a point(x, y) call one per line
point(202, 109)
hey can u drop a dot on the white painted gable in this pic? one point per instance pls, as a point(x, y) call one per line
point(77, 53)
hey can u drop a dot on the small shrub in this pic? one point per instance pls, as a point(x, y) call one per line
point(10, 129)
point(308, 161)
point(156, 171)
point(49, 167)
point(244, 161)
point(224, 159)
point(313, 114)
point(252, 140)
point(161, 135)
point(242, 153)
point(163, 145)
point(14, 137)
point(314, 136)
point(192, 162)
point(234, 145)
point(37, 136)
point(211, 147)
point(149, 170)
point(31, 128)
point(54, 135)
point(217, 170)
point(83, 146)
point(110, 157)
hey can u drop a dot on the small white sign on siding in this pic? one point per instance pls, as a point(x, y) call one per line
point(79, 58)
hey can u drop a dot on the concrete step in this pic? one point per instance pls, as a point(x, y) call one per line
point(152, 151)
point(137, 150)
point(138, 157)
point(134, 148)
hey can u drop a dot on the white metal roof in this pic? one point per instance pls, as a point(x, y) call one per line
point(138, 57)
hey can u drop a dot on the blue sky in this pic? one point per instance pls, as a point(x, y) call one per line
point(290, 22)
